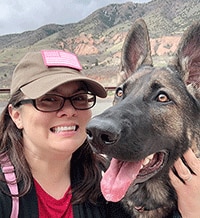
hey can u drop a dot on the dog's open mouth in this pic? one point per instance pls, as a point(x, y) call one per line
point(120, 175)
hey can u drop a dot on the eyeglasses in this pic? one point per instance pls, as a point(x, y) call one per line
point(53, 102)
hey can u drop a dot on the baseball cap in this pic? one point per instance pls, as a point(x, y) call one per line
point(39, 72)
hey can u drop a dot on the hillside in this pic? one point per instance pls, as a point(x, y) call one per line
point(98, 38)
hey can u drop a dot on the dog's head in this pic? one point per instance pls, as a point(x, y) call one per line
point(155, 116)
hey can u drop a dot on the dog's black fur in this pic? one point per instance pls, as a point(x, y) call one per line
point(156, 111)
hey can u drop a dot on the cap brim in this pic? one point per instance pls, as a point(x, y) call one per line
point(41, 86)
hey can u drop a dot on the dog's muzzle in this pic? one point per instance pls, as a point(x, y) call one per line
point(102, 133)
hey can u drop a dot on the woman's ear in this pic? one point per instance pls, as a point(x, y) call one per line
point(15, 116)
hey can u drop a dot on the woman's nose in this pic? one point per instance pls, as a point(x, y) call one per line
point(67, 109)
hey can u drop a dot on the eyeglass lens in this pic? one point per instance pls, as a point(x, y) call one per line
point(52, 102)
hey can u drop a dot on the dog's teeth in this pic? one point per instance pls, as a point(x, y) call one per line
point(150, 157)
point(146, 161)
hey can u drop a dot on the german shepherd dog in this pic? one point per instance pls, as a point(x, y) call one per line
point(154, 120)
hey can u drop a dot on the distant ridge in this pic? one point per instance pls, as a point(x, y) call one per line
point(98, 38)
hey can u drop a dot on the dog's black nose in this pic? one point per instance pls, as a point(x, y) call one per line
point(96, 134)
point(102, 132)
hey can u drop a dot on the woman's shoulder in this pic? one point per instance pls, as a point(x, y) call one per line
point(28, 206)
point(5, 200)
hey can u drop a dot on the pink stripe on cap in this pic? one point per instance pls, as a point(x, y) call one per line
point(58, 58)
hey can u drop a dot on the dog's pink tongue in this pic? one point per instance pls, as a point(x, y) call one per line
point(118, 178)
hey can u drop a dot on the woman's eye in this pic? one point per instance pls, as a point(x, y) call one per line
point(78, 99)
point(81, 97)
point(48, 99)
point(162, 98)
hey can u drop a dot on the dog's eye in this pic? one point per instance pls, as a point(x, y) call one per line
point(162, 98)
point(119, 92)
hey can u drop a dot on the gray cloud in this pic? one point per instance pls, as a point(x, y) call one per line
point(21, 15)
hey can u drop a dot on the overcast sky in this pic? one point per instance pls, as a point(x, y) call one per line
point(22, 15)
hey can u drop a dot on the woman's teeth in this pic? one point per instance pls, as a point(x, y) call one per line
point(64, 128)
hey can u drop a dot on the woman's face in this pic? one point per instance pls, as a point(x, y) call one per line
point(53, 133)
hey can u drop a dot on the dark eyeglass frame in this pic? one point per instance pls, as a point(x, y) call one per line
point(34, 101)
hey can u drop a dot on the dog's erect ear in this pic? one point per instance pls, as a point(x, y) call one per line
point(136, 49)
point(187, 60)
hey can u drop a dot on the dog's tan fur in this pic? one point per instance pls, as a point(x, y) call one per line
point(155, 110)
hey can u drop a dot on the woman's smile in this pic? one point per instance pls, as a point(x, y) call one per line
point(59, 129)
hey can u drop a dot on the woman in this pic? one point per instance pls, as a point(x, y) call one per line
point(42, 133)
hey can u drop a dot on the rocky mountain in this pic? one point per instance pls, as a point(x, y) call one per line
point(98, 38)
